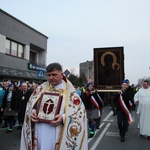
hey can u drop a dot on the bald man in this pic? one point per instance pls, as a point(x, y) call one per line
point(23, 97)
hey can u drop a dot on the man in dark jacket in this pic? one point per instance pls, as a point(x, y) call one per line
point(129, 88)
point(23, 97)
point(131, 101)
point(122, 100)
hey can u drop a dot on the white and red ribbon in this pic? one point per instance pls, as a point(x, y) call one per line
point(93, 100)
point(125, 109)
point(101, 101)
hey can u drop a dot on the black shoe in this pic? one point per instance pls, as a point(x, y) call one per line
point(91, 135)
point(122, 139)
point(97, 127)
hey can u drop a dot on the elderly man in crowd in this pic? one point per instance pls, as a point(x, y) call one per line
point(22, 99)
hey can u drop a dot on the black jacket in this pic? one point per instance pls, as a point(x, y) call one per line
point(88, 103)
point(13, 100)
point(127, 96)
point(22, 100)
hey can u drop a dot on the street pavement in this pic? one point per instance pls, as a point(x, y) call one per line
point(106, 138)
point(10, 141)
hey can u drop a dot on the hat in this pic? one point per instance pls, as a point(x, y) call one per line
point(9, 85)
point(88, 84)
point(127, 81)
point(123, 81)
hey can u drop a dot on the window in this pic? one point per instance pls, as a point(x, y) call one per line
point(20, 50)
point(7, 46)
point(33, 57)
point(14, 48)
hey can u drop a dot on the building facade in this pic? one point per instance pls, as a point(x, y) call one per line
point(87, 69)
point(22, 50)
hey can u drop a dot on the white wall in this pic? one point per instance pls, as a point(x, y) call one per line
point(2, 43)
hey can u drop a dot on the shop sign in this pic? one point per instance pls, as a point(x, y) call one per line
point(35, 67)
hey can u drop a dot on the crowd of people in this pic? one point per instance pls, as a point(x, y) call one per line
point(13, 100)
point(19, 103)
point(126, 100)
point(78, 111)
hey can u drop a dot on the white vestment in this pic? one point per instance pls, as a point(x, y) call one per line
point(46, 142)
point(143, 109)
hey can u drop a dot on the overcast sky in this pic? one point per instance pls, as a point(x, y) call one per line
point(75, 27)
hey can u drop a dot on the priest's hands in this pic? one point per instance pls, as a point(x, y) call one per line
point(57, 120)
point(34, 116)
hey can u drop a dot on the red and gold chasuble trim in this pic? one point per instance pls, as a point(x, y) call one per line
point(73, 135)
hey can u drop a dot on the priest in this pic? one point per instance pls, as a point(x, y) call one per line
point(68, 128)
point(142, 99)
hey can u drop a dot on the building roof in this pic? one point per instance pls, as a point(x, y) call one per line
point(7, 14)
